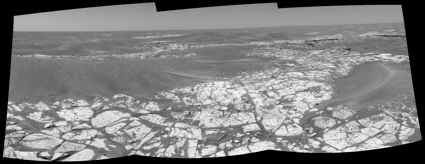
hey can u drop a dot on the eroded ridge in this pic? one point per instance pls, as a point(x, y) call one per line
point(153, 48)
point(270, 109)
point(159, 36)
point(376, 34)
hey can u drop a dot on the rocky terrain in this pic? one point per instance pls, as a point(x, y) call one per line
point(312, 98)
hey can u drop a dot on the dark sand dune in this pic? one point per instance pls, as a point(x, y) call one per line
point(73, 46)
point(33, 79)
point(225, 61)
point(372, 83)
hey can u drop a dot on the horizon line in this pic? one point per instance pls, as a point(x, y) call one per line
point(220, 28)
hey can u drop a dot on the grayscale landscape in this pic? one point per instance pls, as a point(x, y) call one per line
point(78, 96)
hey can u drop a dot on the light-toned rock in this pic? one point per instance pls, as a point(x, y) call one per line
point(83, 155)
point(107, 118)
point(27, 155)
point(239, 151)
point(261, 146)
point(99, 143)
point(250, 127)
point(69, 146)
point(82, 135)
point(76, 114)
point(40, 141)
point(324, 122)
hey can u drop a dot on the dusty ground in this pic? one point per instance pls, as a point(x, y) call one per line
point(373, 83)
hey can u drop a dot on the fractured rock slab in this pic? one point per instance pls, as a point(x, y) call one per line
point(40, 141)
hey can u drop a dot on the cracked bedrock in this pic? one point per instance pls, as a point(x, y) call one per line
point(323, 100)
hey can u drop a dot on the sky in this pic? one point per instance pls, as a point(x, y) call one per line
point(139, 17)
